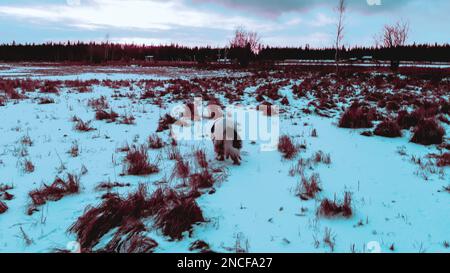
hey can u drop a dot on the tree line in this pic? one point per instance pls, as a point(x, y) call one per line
point(105, 52)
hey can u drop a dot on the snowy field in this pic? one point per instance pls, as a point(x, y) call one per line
point(82, 125)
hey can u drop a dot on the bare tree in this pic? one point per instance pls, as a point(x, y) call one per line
point(244, 45)
point(341, 8)
point(242, 38)
point(393, 36)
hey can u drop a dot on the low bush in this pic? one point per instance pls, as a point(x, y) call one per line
point(388, 128)
point(287, 147)
point(428, 132)
point(155, 142)
point(308, 187)
point(357, 116)
point(3, 207)
point(177, 216)
point(83, 126)
point(333, 208)
point(56, 191)
point(105, 115)
point(138, 162)
point(111, 213)
point(165, 122)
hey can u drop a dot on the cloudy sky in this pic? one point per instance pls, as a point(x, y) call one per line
point(211, 22)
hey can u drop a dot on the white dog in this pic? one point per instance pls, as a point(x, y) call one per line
point(226, 140)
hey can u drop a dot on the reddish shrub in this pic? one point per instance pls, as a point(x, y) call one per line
point(407, 120)
point(174, 213)
point(443, 160)
point(330, 208)
point(177, 216)
point(3, 207)
point(357, 117)
point(200, 246)
point(99, 104)
point(200, 156)
point(46, 100)
point(155, 142)
point(129, 239)
point(83, 126)
point(308, 187)
point(388, 128)
point(56, 191)
point(287, 148)
point(165, 122)
point(321, 157)
point(201, 180)
point(28, 166)
point(392, 106)
point(104, 115)
point(49, 87)
point(181, 169)
point(428, 132)
point(112, 212)
point(174, 153)
point(26, 140)
point(138, 162)
point(6, 196)
point(128, 119)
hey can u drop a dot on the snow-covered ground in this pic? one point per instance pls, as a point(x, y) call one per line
point(397, 204)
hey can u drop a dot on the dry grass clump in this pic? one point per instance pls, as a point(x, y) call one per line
point(308, 187)
point(56, 191)
point(287, 147)
point(138, 162)
point(334, 208)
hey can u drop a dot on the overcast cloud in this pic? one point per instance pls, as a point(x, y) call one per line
point(211, 22)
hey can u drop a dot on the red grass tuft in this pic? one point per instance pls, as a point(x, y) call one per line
point(200, 157)
point(174, 153)
point(165, 122)
point(112, 212)
point(56, 191)
point(308, 188)
point(99, 104)
point(28, 166)
point(129, 239)
point(181, 169)
point(428, 132)
point(357, 117)
point(49, 87)
point(177, 216)
point(128, 119)
point(330, 208)
point(388, 128)
point(321, 157)
point(3, 207)
point(138, 162)
point(443, 160)
point(155, 142)
point(104, 115)
point(201, 180)
point(83, 126)
point(287, 148)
